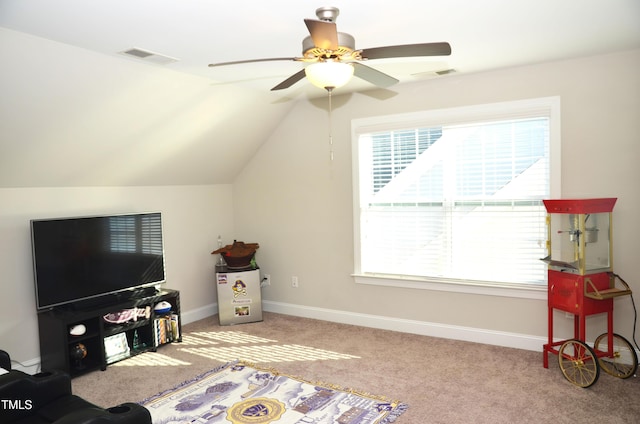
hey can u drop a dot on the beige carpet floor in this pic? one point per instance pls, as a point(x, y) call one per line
point(442, 381)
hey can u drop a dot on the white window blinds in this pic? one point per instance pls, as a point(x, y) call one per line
point(458, 200)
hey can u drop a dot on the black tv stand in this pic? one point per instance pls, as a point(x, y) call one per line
point(104, 343)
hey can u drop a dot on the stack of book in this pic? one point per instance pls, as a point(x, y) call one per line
point(165, 329)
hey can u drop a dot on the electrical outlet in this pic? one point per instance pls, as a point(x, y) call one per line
point(267, 279)
point(294, 282)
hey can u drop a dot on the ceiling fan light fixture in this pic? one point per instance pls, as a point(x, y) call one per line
point(329, 74)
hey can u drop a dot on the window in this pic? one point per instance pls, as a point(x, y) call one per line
point(456, 195)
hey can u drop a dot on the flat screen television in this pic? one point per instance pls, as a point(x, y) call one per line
point(78, 259)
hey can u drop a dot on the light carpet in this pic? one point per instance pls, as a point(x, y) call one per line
point(242, 393)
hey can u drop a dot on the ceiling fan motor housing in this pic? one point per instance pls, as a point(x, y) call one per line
point(345, 50)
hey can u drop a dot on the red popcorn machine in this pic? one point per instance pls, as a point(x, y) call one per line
point(581, 282)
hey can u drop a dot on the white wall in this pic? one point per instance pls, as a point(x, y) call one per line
point(193, 216)
point(73, 117)
point(298, 204)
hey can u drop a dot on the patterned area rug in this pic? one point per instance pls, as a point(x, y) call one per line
point(240, 393)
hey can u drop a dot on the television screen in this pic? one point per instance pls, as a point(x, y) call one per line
point(82, 258)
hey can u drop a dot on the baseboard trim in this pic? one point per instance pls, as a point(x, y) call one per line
point(446, 331)
point(199, 313)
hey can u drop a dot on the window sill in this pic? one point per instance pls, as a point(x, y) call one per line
point(487, 288)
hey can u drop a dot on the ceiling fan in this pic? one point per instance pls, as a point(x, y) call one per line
point(333, 58)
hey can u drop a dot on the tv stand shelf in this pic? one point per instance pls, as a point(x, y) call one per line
point(103, 342)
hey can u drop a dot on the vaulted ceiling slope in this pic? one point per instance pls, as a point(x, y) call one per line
point(75, 111)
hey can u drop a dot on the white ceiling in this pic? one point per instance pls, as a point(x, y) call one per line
point(484, 34)
point(66, 86)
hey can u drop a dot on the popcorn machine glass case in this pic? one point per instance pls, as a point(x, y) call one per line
point(580, 235)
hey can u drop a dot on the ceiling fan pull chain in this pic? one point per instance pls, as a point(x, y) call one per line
point(329, 89)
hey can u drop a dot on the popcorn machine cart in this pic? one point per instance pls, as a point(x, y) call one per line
point(581, 282)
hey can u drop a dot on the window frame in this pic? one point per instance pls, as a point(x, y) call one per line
point(549, 106)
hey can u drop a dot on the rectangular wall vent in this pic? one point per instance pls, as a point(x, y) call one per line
point(149, 56)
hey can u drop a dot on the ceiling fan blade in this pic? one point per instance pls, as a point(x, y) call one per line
point(238, 62)
point(374, 76)
point(290, 81)
point(324, 34)
point(407, 50)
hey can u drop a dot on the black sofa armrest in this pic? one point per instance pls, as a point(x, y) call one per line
point(22, 393)
point(5, 360)
point(126, 413)
point(46, 397)
point(40, 388)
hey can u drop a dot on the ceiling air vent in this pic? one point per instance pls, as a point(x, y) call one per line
point(434, 74)
point(148, 56)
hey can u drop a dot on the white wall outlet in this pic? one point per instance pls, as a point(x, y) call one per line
point(294, 282)
point(266, 280)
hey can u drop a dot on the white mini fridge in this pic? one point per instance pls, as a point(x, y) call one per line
point(239, 297)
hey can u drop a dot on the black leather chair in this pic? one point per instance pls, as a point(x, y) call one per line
point(46, 398)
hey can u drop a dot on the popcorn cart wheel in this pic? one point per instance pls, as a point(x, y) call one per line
point(621, 361)
point(579, 363)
